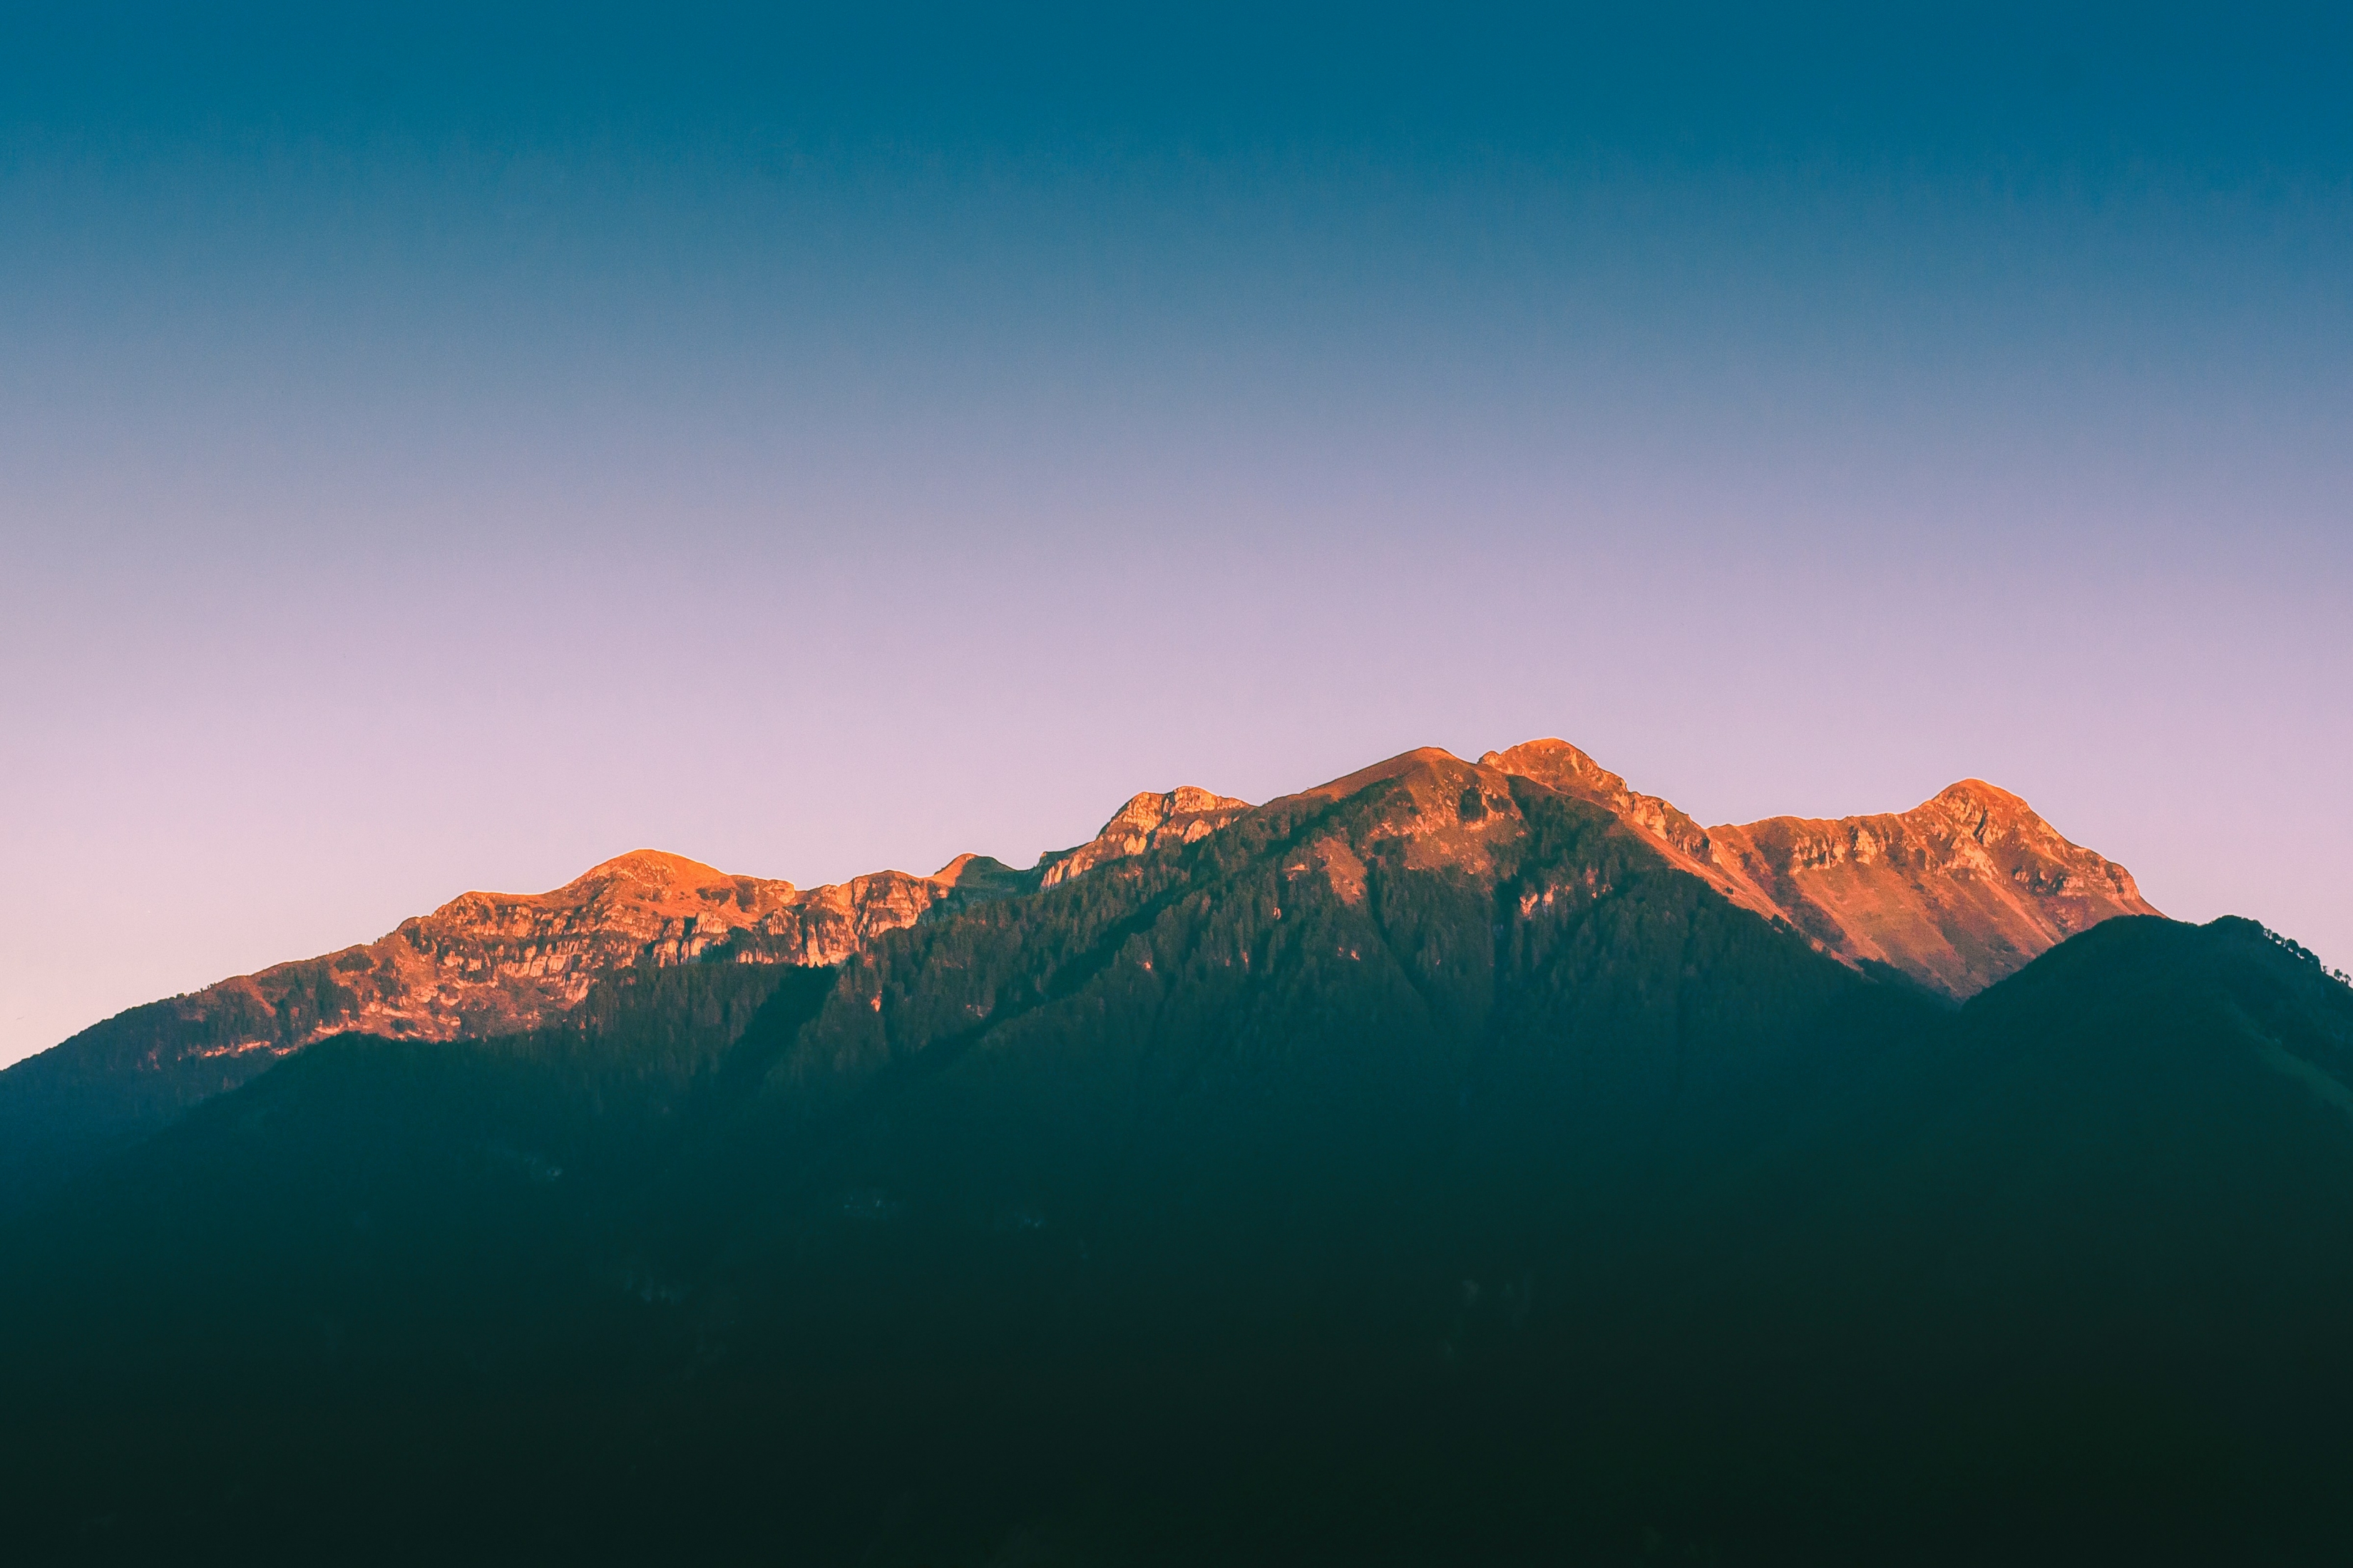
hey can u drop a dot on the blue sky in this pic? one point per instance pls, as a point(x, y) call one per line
point(445, 449)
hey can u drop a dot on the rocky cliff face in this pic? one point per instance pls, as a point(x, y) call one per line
point(495, 964)
point(504, 961)
point(480, 965)
point(826, 925)
point(492, 964)
point(1957, 893)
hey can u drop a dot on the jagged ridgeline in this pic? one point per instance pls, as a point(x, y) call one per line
point(1953, 895)
point(1456, 1162)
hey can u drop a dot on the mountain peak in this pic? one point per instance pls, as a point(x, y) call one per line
point(652, 866)
point(1980, 792)
point(1990, 801)
point(1961, 891)
point(1381, 772)
point(1992, 817)
point(1555, 762)
point(1147, 821)
point(627, 892)
point(1958, 891)
point(981, 874)
point(1558, 766)
point(1146, 811)
point(966, 864)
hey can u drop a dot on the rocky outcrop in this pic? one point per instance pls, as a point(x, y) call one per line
point(1559, 766)
point(827, 924)
point(1149, 821)
point(1687, 845)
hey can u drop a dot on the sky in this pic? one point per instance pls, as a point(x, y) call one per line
point(443, 448)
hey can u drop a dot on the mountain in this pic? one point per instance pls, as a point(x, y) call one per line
point(1430, 1165)
point(480, 965)
point(1165, 1104)
point(1954, 894)
point(1957, 893)
point(486, 964)
point(1146, 822)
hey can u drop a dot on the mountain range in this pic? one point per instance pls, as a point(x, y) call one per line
point(1454, 1162)
point(1955, 893)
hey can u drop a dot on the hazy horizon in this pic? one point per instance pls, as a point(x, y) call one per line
point(445, 451)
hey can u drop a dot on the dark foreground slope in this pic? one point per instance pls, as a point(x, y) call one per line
point(1419, 1170)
